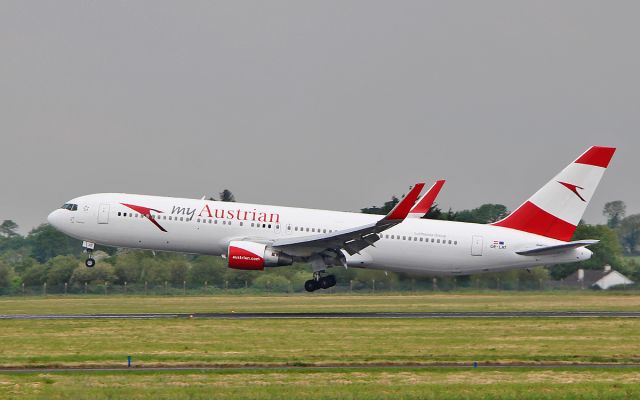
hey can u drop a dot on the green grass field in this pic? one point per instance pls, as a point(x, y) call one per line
point(474, 301)
point(442, 384)
point(310, 342)
point(337, 342)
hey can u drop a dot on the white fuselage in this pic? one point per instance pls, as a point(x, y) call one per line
point(206, 227)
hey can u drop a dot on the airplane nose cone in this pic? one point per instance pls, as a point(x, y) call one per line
point(54, 219)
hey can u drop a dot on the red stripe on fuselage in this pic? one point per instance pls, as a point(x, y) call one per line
point(533, 219)
point(597, 156)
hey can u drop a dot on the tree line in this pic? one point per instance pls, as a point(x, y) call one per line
point(46, 255)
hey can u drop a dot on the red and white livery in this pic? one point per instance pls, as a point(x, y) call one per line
point(255, 236)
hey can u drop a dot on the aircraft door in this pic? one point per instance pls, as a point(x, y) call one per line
point(476, 245)
point(103, 214)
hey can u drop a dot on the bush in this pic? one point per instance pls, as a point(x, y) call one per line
point(102, 272)
point(60, 269)
point(272, 283)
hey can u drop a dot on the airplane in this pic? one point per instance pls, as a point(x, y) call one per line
point(254, 237)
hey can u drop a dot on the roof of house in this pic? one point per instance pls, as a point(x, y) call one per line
point(591, 276)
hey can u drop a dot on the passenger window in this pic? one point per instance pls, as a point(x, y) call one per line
point(449, 241)
point(269, 226)
point(313, 229)
point(181, 218)
point(455, 243)
point(438, 240)
point(119, 213)
point(421, 239)
point(241, 224)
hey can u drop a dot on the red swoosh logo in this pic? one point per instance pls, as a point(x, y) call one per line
point(573, 188)
point(146, 212)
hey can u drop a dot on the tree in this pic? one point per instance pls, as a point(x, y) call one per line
point(607, 251)
point(485, 214)
point(5, 275)
point(35, 275)
point(8, 228)
point(47, 242)
point(60, 269)
point(178, 270)
point(226, 195)
point(614, 211)
point(629, 232)
point(208, 269)
point(102, 272)
point(384, 210)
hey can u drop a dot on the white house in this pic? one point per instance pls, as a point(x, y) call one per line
point(597, 279)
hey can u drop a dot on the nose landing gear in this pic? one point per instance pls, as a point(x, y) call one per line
point(320, 282)
point(90, 262)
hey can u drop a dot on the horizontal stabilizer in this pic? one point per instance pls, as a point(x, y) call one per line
point(555, 249)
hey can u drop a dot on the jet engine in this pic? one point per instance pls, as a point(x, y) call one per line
point(255, 256)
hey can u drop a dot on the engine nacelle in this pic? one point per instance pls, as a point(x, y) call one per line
point(254, 256)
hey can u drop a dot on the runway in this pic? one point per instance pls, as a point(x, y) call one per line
point(267, 368)
point(336, 315)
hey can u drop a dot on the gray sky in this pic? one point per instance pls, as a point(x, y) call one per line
point(326, 104)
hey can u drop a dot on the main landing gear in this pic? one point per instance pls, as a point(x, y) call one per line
point(90, 262)
point(320, 282)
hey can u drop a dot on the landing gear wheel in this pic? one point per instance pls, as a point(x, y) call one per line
point(325, 283)
point(328, 281)
point(311, 285)
point(90, 262)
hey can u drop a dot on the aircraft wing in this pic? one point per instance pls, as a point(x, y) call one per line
point(352, 240)
point(555, 249)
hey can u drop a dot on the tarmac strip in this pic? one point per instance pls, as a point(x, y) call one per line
point(337, 315)
point(236, 368)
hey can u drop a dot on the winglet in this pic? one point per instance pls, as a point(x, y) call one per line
point(401, 210)
point(426, 201)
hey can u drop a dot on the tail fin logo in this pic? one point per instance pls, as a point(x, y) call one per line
point(574, 189)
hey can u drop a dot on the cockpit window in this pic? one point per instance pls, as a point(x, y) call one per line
point(70, 207)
